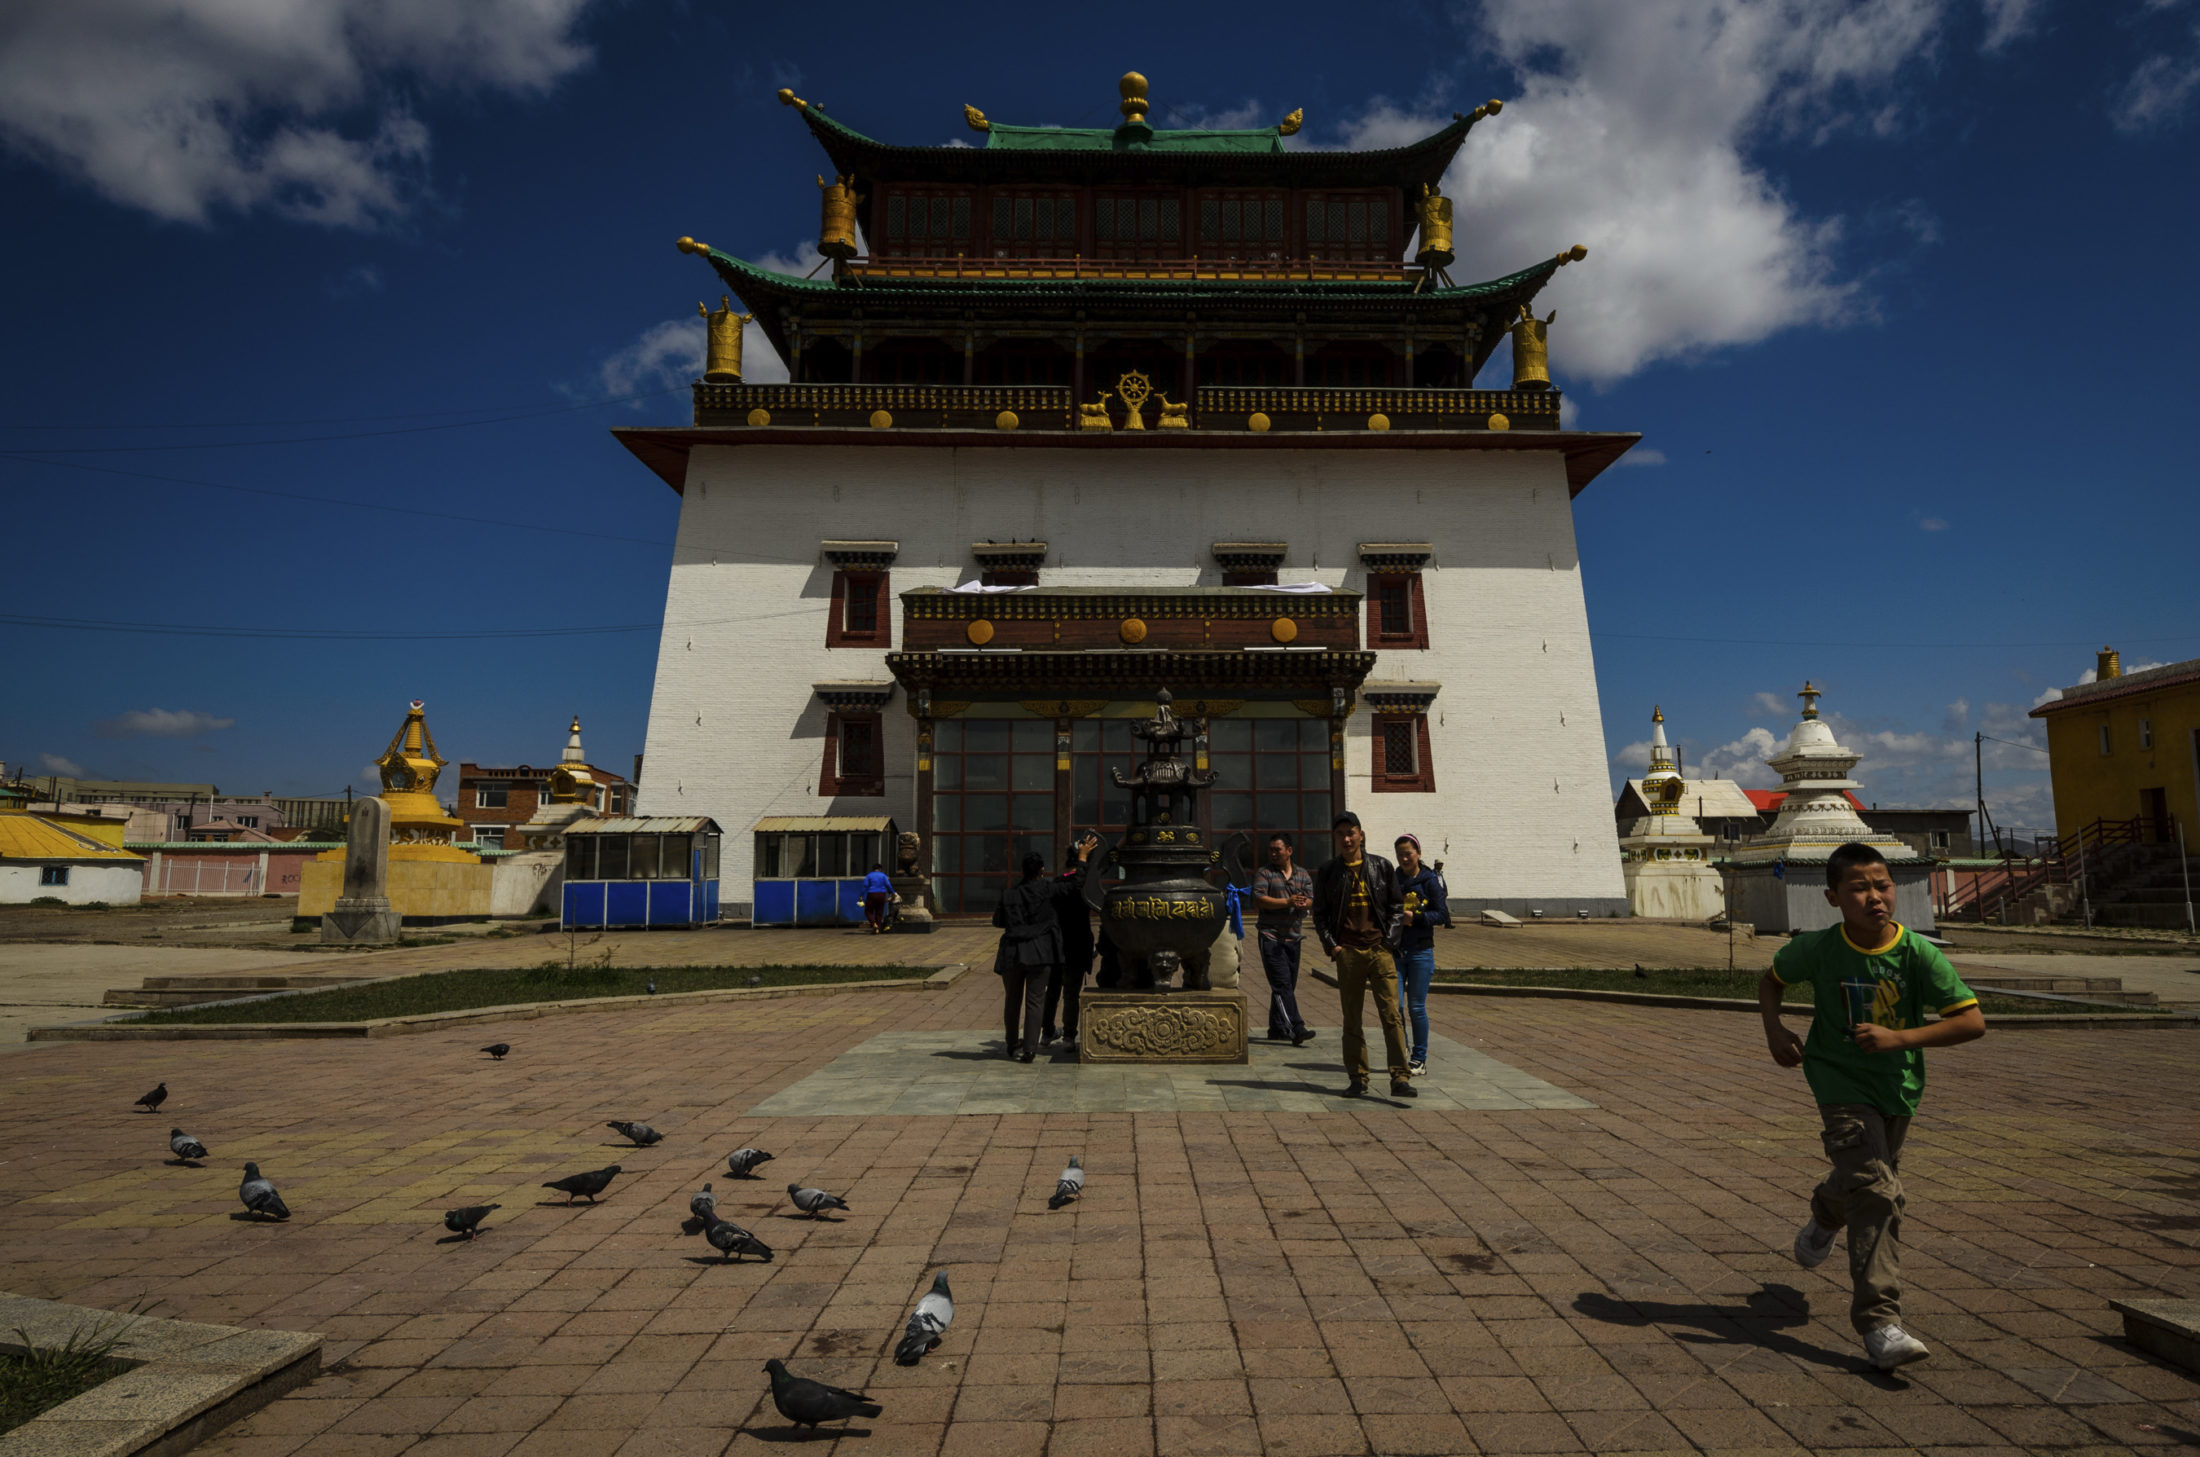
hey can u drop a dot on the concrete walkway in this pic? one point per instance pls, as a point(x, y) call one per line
point(41, 984)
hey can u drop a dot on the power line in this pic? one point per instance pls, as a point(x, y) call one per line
point(316, 634)
point(1768, 642)
point(2012, 743)
point(498, 413)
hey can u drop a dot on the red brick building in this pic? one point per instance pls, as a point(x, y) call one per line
point(490, 797)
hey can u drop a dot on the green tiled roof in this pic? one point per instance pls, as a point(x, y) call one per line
point(1108, 139)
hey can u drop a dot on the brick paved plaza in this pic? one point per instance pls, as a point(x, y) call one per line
point(1579, 1244)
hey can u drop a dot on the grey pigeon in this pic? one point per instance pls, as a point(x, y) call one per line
point(742, 1162)
point(806, 1403)
point(814, 1202)
point(731, 1240)
point(259, 1195)
point(934, 1314)
point(1070, 1185)
point(496, 1050)
point(703, 1204)
point(652, 985)
point(466, 1221)
point(184, 1146)
point(641, 1133)
point(592, 1183)
point(151, 1101)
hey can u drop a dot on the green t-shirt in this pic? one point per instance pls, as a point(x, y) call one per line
point(1889, 988)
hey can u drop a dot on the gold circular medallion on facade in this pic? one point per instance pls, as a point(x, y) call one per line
point(1499, 422)
point(1256, 421)
point(1006, 420)
point(979, 632)
point(760, 417)
point(1378, 421)
point(880, 420)
point(1283, 629)
point(1131, 630)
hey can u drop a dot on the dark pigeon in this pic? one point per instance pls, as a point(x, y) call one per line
point(184, 1146)
point(641, 1134)
point(497, 1050)
point(259, 1195)
point(731, 1240)
point(592, 1183)
point(151, 1101)
point(807, 1403)
point(814, 1202)
point(1070, 1185)
point(652, 984)
point(742, 1162)
point(703, 1204)
point(466, 1221)
point(934, 1314)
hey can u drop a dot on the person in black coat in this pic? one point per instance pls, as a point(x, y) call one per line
point(1031, 941)
point(1065, 987)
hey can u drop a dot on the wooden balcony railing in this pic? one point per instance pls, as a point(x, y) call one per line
point(1179, 270)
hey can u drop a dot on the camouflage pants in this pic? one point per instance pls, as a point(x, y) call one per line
point(1863, 1194)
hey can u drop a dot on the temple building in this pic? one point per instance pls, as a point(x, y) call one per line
point(1076, 415)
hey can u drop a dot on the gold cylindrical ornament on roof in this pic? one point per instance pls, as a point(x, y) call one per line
point(722, 342)
point(1433, 210)
point(1532, 351)
point(836, 230)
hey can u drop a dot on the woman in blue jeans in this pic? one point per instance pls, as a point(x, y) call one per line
point(1422, 889)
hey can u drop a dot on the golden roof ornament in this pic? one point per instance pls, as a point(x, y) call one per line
point(1810, 697)
point(1289, 126)
point(721, 354)
point(408, 769)
point(836, 229)
point(975, 119)
point(1532, 350)
point(788, 98)
point(1433, 210)
point(689, 245)
point(1133, 89)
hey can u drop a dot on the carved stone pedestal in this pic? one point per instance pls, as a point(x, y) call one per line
point(1161, 1027)
point(915, 916)
point(365, 921)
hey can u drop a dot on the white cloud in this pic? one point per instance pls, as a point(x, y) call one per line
point(1770, 705)
point(1634, 758)
point(2157, 93)
point(356, 282)
point(1632, 132)
point(2009, 20)
point(1932, 523)
point(662, 357)
point(1642, 455)
point(161, 723)
point(1957, 716)
point(1742, 760)
point(189, 110)
point(55, 764)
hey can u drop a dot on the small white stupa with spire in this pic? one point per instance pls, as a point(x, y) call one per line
point(1664, 854)
point(1780, 878)
point(531, 880)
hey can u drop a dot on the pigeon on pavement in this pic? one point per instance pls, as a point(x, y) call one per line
point(653, 986)
point(259, 1195)
point(466, 1221)
point(151, 1101)
point(184, 1146)
point(641, 1133)
point(496, 1050)
point(814, 1202)
point(731, 1240)
point(934, 1314)
point(703, 1204)
point(806, 1403)
point(742, 1162)
point(1070, 1185)
point(592, 1183)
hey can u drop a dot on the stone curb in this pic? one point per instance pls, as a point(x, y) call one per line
point(1744, 1004)
point(184, 1381)
point(122, 1031)
point(2167, 1328)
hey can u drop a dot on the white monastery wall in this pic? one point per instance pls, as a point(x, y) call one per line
point(1520, 814)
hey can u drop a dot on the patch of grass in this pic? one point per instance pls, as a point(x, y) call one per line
point(47, 900)
point(40, 1378)
point(472, 988)
point(1719, 982)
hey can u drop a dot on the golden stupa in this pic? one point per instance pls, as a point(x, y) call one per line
point(430, 877)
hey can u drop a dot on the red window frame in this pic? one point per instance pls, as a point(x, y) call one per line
point(838, 632)
point(834, 776)
point(1416, 634)
point(943, 209)
point(1382, 777)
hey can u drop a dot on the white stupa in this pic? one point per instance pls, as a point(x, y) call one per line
point(1781, 877)
point(1664, 855)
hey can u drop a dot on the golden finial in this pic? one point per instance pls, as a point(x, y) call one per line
point(1810, 697)
point(1657, 714)
point(975, 118)
point(1488, 108)
point(689, 245)
point(1289, 126)
point(1572, 255)
point(1133, 89)
point(788, 98)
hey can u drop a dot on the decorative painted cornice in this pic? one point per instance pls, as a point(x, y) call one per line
point(1400, 697)
point(1011, 555)
point(1395, 556)
point(853, 695)
point(1248, 555)
point(877, 555)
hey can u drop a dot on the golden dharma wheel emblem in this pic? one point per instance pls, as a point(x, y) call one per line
point(880, 420)
point(1006, 420)
point(979, 632)
point(1256, 421)
point(1378, 421)
point(1283, 629)
point(760, 417)
point(1132, 630)
point(1499, 422)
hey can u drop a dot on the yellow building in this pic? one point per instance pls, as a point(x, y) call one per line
point(430, 878)
point(2127, 746)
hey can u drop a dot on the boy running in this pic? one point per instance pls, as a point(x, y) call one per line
point(1871, 982)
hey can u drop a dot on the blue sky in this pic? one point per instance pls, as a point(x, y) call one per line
point(313, 302)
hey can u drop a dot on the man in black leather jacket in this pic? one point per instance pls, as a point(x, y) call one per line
point(1359, 915)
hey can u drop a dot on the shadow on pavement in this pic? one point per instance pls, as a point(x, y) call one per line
point(1760, 1321)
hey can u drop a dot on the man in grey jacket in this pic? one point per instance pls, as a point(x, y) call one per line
point(1359, 915)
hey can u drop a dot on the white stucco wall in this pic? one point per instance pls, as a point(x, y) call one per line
point(1521, 815)
point(119, 883)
